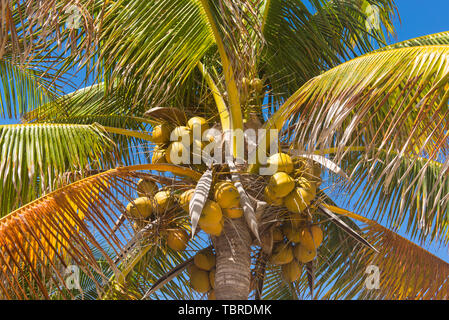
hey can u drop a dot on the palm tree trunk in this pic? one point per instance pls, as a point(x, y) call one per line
point(233, 274)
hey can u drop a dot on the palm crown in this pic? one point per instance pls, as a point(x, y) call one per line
point(90, 178)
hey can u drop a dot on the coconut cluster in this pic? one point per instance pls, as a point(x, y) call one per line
point(293, 185)
point(225, 202)
point(165, 149)
point(202, 272)
point(294, 247)
point(152, 203)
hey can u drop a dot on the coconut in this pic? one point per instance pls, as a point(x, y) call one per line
point(197, 122)
point(291, 271)
point(184, 199)
point(282, 162)
point(199, 280)
point(281, 184)
point(182, 134)
point(298, 200)
point(211, 213)
point(161, 133)
point(213, 229)
point(311, 237)
point(163, 201)
point(227, 195)
point(304, 254)
point(212, 277)
point(177, 152)
point(271, 199)
point(282, 254)
point(140, 208)
point(205, 260)
point(291, 233)
point(233, 213)
point(177, 239)
point(158, 156)
point(146, 188)
point(277, 235)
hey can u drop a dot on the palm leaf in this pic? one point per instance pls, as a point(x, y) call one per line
point(59, 229)
point(36, 158)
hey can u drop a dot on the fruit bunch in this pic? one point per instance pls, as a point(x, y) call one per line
point(202, 273)
point(165, 149)
point(294, 247)
point(153, 203)
point(293, 185)
point(224, 203)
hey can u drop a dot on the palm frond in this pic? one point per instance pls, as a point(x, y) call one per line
point(39, 240)
point(36, 158)
point(407, 271)
point(23, 88)
point(305, 38)
point(394, 104)
point(436, 39)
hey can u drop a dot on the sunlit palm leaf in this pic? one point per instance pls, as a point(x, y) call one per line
point(407, 271)
point(36, 157)
point(58, 229)
point(306, 37)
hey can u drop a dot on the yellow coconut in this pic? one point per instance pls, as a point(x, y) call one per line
point(312, 237)
point(161, 133)
point(281, 184)
point(198, 122)
point(291, 271)
point(277, 235)
point(177, 153)
point(298, 200)
point(290, 232)
point(199, 280)
point(213, 229)
point(158, 156)
point(163, 201)
point(211, 213)
point(177, 239)
point(226, 195)
point(212, 277)
point(146, 188)
point(282, 254)
point(303, 254)
point(184, 199)
point(282, 162)
point(271, 199)
point(205, 260)
point(140, 208)
point(233, 213)
point(182, 134)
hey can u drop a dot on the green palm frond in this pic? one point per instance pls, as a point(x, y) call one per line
point(441, 38)
point(37, 158)
point(153, 46)
point(417, 186)
point(305, 39)
point(22, 88)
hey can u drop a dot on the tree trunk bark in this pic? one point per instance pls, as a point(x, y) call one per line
point(233, 273)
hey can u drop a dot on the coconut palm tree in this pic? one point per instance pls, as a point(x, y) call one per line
point(94, 205)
